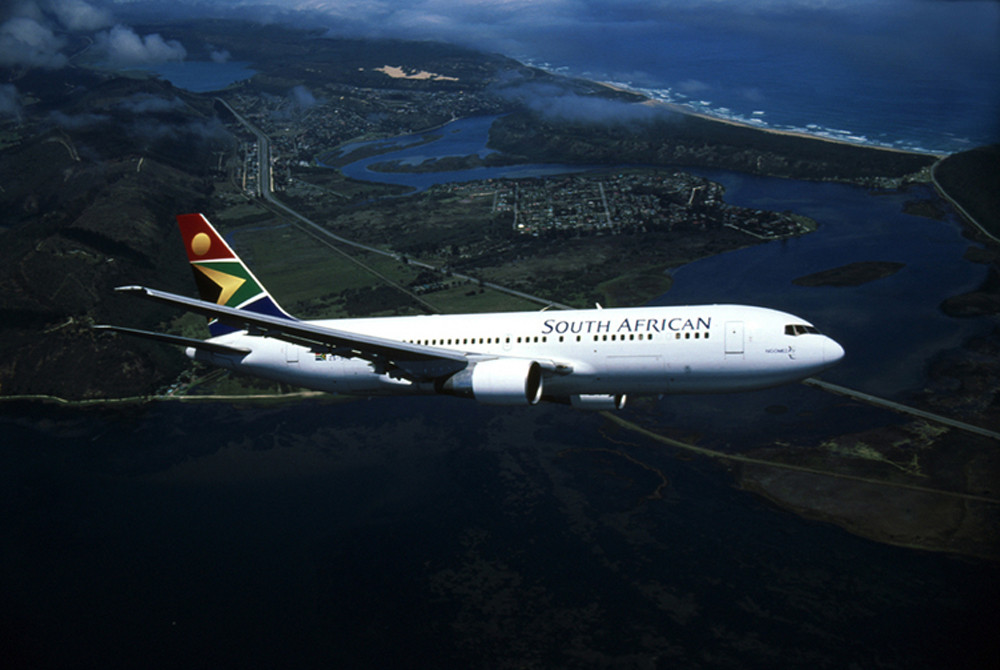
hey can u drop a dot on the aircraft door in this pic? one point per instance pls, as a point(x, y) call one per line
point(291, 354)
point(734, 337)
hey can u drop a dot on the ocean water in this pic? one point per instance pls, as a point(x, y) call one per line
point(918, 75)
point(925, 79)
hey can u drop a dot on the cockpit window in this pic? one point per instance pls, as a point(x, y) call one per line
point(797, 329)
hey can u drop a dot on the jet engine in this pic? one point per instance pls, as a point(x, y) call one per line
point(501, 381)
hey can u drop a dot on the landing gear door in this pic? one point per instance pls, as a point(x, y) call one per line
point(734, 337)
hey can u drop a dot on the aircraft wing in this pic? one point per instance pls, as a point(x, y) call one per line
point(412, 361)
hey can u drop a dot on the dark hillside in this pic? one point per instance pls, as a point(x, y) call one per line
point(972, 179)
point(287, 57)
point(89, 197)
point(698, 142)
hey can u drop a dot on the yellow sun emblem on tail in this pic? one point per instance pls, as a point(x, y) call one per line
point(200, 244)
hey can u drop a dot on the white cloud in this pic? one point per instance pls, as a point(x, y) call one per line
point(303, 97)
point(79, 15)
point(122, 46)
point(25, 41)
point(150, 104)
point(78, 121)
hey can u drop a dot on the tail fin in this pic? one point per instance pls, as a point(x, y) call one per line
point(221, 276)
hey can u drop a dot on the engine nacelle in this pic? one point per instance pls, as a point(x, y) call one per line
point(502, 381)
point(598, 402)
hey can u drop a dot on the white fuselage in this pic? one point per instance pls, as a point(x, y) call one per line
point(643, 350)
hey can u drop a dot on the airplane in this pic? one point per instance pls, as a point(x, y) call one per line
point(586, 358)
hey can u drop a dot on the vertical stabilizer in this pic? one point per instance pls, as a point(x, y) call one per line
point(221, 276)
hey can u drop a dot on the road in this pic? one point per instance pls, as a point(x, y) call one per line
point(954, 203)
point(897, 407)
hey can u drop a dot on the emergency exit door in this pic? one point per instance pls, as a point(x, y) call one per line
point(734, 337)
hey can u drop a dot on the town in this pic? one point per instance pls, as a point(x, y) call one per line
point(633, 202)
point(629, 201)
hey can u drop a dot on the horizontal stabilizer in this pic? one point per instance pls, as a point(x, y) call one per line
point(213, 347)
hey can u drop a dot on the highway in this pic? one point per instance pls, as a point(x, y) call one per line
point(896, 407)
point(954, 203)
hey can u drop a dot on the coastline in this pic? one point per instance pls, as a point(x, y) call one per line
point(801, 134)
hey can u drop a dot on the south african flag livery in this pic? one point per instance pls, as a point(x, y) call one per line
point(221, 276)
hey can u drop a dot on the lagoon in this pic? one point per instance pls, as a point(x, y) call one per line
point(460, 138)
point(203, 76)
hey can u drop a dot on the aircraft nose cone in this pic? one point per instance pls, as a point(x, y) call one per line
point(832, 351)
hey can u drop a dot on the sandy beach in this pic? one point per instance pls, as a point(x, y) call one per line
point(687, 111)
